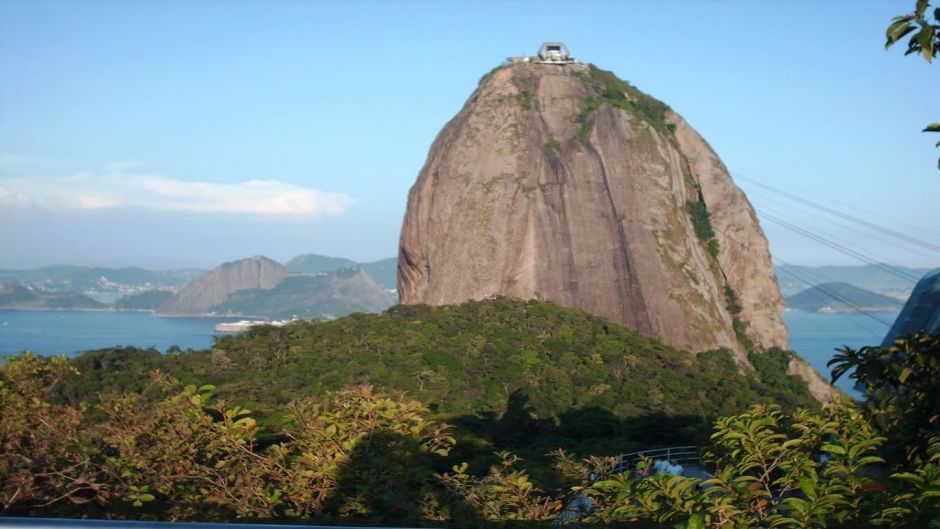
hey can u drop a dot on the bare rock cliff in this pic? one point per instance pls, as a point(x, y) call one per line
point(566, 184)
point(199, 296)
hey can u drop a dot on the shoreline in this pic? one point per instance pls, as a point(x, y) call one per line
point(150, 311)
point(844, 311)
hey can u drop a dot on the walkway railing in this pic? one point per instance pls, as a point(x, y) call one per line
point(675, 455)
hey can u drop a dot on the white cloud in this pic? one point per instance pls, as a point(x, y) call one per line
point(116, 188)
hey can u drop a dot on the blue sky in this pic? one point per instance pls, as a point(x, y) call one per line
point(187, 133)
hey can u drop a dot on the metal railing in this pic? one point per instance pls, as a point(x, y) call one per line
point(676, 455)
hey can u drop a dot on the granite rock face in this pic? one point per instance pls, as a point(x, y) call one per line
point(921, 312)
point(566, 184)
point(204, 293)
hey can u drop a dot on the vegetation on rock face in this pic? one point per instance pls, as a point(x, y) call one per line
point(772, 366)
point(525, 100)
point(701, 221)
point(621, 94)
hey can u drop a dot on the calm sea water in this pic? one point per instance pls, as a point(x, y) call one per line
point(68, 332)
point(813, 336)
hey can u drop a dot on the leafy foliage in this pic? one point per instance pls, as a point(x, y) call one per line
point(43, 459)
point(767, 471)
point(461, 359)
point(352, 453)
point(364, 456)
point(504, 493)
point(925, 40)
point(926, 35)
point(902, 390)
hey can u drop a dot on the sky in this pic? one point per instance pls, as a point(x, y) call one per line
point(171, 134)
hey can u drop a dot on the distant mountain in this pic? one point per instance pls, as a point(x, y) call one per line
point(311, 263)
point(324, 295)
point(213, 288)
point(16, 296)
point(840, 297)
point(384, 272)
point(868, 277)
point(147, 300)
point(99, 282)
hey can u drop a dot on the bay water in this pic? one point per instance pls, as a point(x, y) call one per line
point(69, 332)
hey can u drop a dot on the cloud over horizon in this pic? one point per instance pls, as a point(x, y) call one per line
point(111, 189)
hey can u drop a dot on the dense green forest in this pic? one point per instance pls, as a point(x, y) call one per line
point(485, 414)
point(462, 359)
point(363, 456)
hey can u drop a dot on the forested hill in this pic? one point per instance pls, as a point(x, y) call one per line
point(462, 359)
point(840, 297)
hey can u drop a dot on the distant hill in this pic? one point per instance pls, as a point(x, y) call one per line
point(263, 288)
point(16, 296)
point(147, 300)
point(311, 263)
point(840, 297)
point(99, 282)
point(213, 288)
point(325, 295)
point(868, 277)
point(384, 271)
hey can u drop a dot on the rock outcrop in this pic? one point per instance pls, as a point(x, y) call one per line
point(921, 312)
point(563, 183)
point(213, 288)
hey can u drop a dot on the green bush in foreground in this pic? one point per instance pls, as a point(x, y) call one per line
point(360, 456)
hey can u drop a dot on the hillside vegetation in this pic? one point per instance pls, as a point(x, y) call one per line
point(16, 296)
point(840, 297)
point(325, 295)
point(361, 456)
point(146, 300)
point(464, 359)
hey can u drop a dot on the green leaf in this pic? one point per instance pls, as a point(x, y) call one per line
point(933, 127)
point(696, 521)
point(897, 31)
point(833, 449)
point(808, 487)
point(905, 373)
